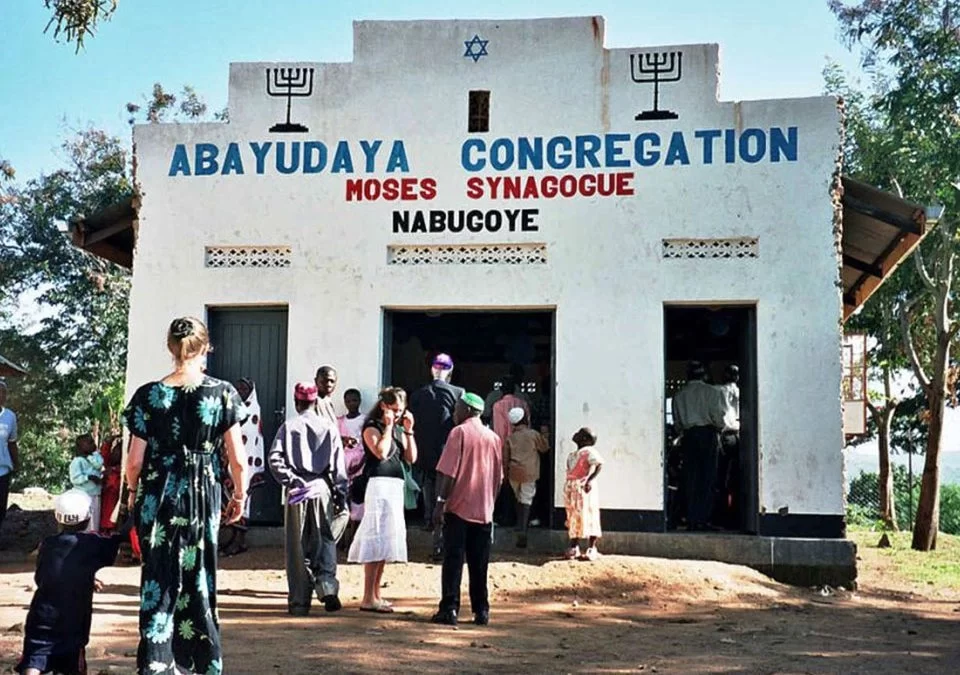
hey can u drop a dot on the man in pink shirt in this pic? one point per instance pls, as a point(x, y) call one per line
point(469, 475)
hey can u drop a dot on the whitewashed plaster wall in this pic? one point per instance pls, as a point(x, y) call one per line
point(605, 275)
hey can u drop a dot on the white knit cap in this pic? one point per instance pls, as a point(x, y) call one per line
point(515, 415)
point(72, 507)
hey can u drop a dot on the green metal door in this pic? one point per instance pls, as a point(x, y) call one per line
point(252, 344)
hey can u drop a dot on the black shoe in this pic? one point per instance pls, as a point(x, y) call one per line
point(437, 555)
point(481, 618)
point(332, 603)
point(521, 541)
point(299, 611)
point(445, 618)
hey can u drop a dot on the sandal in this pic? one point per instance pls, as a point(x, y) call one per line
point(380, 608)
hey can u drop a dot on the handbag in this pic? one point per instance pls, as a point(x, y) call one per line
point(410, 488)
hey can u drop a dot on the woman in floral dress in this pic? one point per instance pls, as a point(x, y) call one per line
point(580, 495)
point(178, 427)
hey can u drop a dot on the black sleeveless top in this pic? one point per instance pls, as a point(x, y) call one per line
point(390, 466)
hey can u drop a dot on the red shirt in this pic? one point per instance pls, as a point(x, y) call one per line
point(472, 457)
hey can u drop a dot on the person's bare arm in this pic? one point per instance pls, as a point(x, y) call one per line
point(14, 455)
point(133, 466)
point(409, 439)
point(237, 461)
point(444, 486)
point(378, 444)
point(596, 472)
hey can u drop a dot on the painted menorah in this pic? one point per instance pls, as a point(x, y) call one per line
point(291, 83)
point(656, 68)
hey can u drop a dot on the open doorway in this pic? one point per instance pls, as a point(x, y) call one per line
point(486, 346)
point(718, 337)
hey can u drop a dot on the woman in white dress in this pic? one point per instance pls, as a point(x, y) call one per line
point(382, 536)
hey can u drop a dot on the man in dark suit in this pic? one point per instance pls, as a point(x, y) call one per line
point(432, 406)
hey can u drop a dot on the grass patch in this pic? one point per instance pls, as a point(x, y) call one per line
point(939, 568)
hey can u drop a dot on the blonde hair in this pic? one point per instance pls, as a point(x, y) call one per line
point(187, 338)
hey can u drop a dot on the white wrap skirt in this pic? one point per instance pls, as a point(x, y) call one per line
point(382, 534)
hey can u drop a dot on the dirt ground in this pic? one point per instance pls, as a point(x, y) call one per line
point(619, 614)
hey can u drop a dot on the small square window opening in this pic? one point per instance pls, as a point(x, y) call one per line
point(479, 112)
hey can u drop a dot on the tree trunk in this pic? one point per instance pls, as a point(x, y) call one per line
point(888, 507)
point(928, 509)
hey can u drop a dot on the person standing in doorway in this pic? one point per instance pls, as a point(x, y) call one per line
point(729, 447)
point(432, 405)
point(505, 511)
point(514, 375)
point(9, 450)
point(469, 475)
point(306, 458)
point(521, 457)
point(511, 398)
point(698, 414)
point(326, 381)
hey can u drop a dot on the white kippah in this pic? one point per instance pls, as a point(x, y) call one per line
point(72, 507)
point(515, 415)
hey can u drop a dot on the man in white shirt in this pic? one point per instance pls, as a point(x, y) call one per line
point(698, 414)
point(9, 451)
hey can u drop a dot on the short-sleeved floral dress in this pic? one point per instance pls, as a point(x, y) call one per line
point(177, 516)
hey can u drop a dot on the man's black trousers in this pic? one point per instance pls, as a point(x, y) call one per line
point(470, 541)
point(701, 450)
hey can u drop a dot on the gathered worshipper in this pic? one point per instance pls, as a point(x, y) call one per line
point(306, 458)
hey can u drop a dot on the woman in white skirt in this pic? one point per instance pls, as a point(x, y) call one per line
point(382, 535)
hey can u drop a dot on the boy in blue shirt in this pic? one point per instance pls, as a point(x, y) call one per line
point(9, 459)
point(58, 623)
point(86, 473)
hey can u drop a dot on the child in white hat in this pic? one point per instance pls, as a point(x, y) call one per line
point(521, 459)
point(58, 623)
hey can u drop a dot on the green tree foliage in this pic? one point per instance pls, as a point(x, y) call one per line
point(867, 147)
point(913, 47)
point(75, 20)
point(63, 312)
point(162, 106)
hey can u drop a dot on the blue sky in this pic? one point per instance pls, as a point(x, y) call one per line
point(769, 49)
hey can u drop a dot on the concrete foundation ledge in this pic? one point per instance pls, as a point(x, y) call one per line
point(800, 562)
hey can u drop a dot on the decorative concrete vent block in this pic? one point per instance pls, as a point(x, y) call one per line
point(702, 249)
point(468, 254)
point(248, 256)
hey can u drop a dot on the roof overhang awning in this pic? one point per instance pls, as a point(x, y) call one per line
point(10, 369)
point(879, 231)
point(109, 233)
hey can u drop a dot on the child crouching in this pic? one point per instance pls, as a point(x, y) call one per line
point(58, 623)
point(580, 495)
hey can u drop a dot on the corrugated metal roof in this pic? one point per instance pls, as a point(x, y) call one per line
point(10, 369)
point(879, 231)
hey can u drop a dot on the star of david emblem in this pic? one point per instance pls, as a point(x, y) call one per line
point(475, 48)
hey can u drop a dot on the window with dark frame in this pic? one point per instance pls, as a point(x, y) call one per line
point(479, 113)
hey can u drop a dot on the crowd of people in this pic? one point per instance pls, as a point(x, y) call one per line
point(348, 477)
